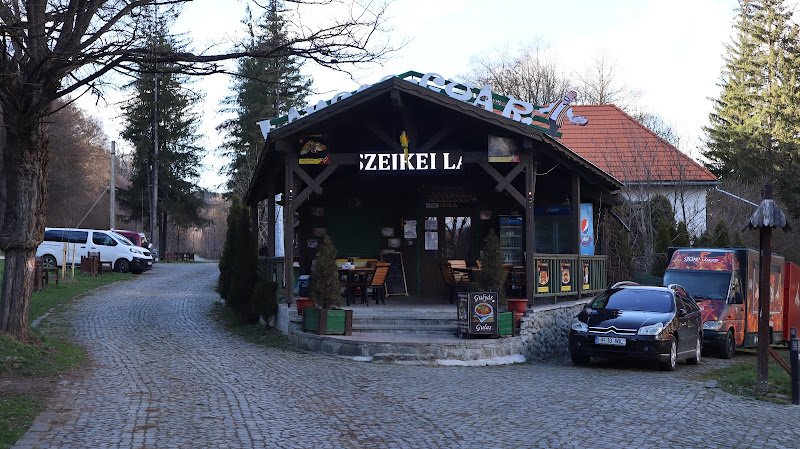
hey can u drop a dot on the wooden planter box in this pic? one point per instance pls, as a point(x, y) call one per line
point(505, 323)
point(328, 321)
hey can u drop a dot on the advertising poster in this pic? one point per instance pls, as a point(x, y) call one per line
point(543, 276)
point(503, 149)
point(566, 277)
point(586, 284)
point(313, 150)
point(587, 230)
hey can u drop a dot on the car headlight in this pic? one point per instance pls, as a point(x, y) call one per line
point(653, 329)
point(135, 251)
point(712, 325)
point(579, 326)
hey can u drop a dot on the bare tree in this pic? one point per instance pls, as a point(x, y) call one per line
point(530, 74)
point(79, 175)
point(55, 48)
point(599, 84)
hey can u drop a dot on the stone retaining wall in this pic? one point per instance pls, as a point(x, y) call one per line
point(544, 330)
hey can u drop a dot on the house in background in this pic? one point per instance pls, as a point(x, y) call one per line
point(645, 163)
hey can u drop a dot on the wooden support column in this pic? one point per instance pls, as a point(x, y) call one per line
point(530, 227)
point(288, 225)
point(575, 213)
point(271, 221)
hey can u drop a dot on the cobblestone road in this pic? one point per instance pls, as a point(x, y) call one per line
point(164, 375)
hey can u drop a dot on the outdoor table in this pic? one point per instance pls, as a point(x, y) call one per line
point(352, 276)
point(473, 273)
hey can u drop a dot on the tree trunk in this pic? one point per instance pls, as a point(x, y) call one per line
point(18, 287)
point(23, 180)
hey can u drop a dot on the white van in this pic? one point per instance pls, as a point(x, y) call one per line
point(114, 248)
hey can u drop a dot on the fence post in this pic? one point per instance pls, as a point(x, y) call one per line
point(794, 356)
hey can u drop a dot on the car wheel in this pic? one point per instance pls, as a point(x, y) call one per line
point(580, 359)
point(670, 364)
point(49, 261)
point(122, 266)
point(729, 348)
point(698, 350)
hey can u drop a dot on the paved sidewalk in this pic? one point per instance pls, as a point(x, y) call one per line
point(164, 375)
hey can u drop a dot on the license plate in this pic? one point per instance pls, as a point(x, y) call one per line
point(615, 341)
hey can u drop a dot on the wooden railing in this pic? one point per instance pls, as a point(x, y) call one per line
point(568, 275)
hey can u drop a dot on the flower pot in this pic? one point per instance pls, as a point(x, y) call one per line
point(303, 303)
point(505, 323)
point(328, 321)
point(517, 305)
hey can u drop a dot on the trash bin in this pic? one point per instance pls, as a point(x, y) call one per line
point(301, 286)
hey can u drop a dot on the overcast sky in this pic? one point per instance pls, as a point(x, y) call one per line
point(671, 51)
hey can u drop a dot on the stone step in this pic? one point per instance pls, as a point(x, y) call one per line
point(406, 321)
point(408, 327)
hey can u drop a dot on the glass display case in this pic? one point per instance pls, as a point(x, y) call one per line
point(512, 244)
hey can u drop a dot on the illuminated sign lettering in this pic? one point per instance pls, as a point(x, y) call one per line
point(415, 161)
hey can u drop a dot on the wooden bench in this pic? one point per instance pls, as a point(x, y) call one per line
point(41, 276)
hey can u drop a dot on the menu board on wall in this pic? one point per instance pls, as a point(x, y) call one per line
point(566, 276)
point(396, 277)
point(543, 277)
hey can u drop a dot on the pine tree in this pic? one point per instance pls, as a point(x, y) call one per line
point(244, 269)
point(492, 277)
point(180, 200)
point(721, 236)
point(754, 130)
point(325, 285)
point(682, 238)
point(228, 251)
point(263, 89)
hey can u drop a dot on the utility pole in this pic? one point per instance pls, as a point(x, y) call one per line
point(113, 187)
point(154, 193)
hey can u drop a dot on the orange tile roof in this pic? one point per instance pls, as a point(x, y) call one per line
point(627, 150)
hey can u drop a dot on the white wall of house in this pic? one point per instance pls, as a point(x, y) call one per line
point(688, 201)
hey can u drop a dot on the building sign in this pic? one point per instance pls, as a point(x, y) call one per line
point(546, 119)
point(587, 230)
point(452, 160)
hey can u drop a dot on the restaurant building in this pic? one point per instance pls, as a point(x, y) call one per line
point(417, 170)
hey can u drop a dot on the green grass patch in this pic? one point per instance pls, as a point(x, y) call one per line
point(53, 355)
point(17, 412)
point(741, 378)
point(254, 333)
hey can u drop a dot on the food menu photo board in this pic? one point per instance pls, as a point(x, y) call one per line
point(543, 277)
point(586, 284)
point(481, 313)
point(566, 276)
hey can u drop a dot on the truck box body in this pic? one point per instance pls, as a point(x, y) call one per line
point(791, 296)
point(725, 283)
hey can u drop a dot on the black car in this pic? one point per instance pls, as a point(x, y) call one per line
point(639, 322)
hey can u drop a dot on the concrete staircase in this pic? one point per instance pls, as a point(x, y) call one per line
point(416, 334)
point(438, 323)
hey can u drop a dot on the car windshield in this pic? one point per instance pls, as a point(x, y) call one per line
point(701, 284)
point(634, 299)
point(122, 239)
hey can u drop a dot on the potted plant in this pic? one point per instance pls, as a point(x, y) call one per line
point(493, 277)
point(325, 318)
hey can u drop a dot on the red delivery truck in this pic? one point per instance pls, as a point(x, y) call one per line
point(725, 284)
point(791, 299)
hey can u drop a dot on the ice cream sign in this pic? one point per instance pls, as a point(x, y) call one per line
point(479, 96)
